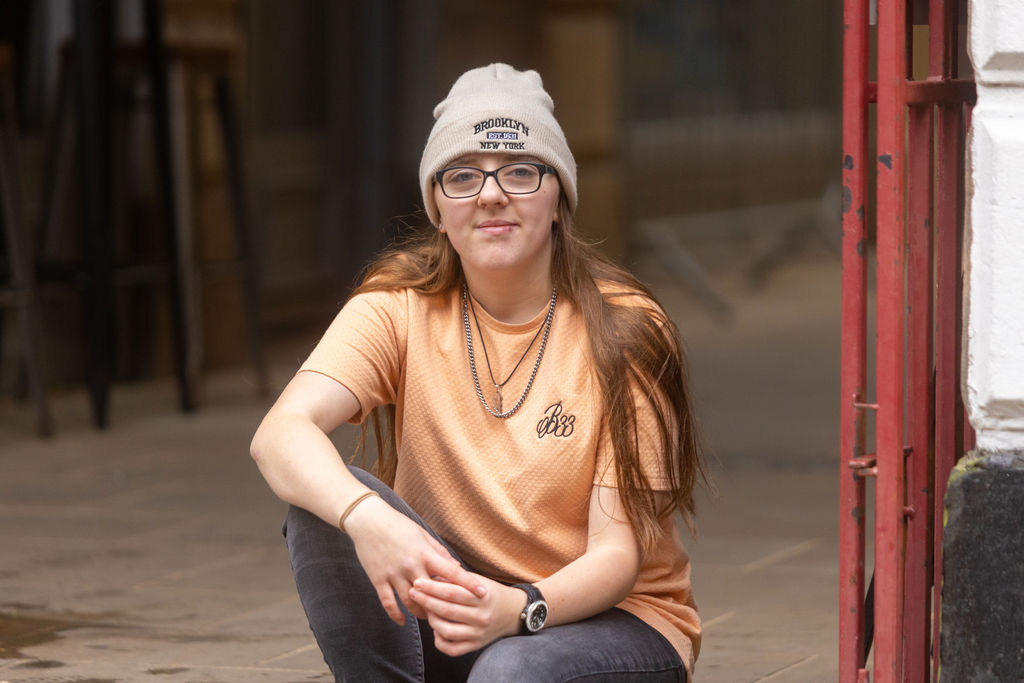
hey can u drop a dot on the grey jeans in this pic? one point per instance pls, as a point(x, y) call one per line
point(360, 643)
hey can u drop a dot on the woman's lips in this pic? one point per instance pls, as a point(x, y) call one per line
point(496, 227)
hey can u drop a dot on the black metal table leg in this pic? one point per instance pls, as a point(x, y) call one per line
point(93, 21)
point(157, 56)
point(19, 255)
point(243, 228)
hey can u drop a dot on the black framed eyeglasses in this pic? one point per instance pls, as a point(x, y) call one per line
point(522, 177)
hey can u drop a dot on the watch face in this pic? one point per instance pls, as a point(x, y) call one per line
point(536, 616)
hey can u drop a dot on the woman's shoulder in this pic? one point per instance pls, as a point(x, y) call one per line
point(398, 299)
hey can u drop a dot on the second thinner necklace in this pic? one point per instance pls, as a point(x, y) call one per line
point(467, 305)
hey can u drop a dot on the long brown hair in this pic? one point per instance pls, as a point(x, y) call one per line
point(636, 352)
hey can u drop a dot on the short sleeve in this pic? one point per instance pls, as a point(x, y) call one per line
point(364, 348)
point(650, 449)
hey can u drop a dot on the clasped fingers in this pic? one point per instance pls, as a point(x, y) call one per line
point(445, 591)
point(464, 620)
point(458, 628)
point(453, 573)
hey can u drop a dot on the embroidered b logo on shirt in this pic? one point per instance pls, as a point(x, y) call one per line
point(555, 423)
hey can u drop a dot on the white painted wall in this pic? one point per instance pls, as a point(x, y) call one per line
point(994, 344)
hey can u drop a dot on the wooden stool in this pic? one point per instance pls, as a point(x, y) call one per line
point(166, 69)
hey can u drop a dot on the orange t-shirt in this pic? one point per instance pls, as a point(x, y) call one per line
point(510, 495)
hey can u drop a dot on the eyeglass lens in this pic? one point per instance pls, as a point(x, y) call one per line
point(465, 181)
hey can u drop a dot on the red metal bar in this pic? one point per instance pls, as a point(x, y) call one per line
point(919, 214)
point(965, 434)
point(854, 339)
point(889, 487)
point(970, 438)
point(941, 19)
point(918, 576)
point(940, 92)
point(947, 281)
point(943, 50)
point(949, 438)
point(934, 91)
point(941, 23)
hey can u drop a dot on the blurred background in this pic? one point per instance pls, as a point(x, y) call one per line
point(197, 185)
point(706, 133)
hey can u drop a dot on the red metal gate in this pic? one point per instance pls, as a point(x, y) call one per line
point(918, 416)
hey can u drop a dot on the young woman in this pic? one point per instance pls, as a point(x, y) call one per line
point(534, 427)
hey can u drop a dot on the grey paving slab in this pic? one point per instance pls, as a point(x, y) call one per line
point(768, 598)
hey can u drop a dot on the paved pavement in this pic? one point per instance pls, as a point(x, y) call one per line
point(151, 552)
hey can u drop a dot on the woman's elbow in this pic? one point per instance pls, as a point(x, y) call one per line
point(260, 447)
point(263, 450)
point(626, 570)
point(256, 448)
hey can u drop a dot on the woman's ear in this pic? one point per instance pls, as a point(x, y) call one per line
point(557, 211)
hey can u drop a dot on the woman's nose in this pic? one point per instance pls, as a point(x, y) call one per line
point(491, 192)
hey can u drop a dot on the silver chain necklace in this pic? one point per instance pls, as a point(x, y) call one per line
point(472, 359)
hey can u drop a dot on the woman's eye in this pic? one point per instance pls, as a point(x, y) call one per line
point(521, 172)
point(462, 177)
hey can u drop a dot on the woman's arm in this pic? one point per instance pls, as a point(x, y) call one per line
point(605, 574)
point(597, 580)
point(293, 451)
point(304, 468)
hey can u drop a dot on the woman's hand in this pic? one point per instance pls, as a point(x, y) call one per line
point(464, 621)
point(395, 552)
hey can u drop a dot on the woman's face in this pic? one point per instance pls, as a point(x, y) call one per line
point(494, 232)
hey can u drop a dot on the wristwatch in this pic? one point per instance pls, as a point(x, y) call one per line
point(535, 613)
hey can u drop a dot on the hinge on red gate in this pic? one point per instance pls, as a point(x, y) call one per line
point(864, 466)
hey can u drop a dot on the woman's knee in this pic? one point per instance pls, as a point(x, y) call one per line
point(508, 659)
point(368, 480)
point(298, 521)
point(611, 646)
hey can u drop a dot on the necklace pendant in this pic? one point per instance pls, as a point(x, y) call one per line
point(500, 409)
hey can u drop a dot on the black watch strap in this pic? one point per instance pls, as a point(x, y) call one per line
point(532, 592)
point(535, 613)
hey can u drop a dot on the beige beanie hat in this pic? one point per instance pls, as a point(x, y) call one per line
point(496, 108)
